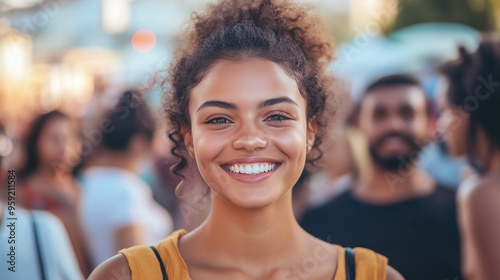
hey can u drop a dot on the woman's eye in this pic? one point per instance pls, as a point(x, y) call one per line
point(277, 118)
point(218, 121)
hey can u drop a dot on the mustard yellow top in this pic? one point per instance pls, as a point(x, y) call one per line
point(144, 264)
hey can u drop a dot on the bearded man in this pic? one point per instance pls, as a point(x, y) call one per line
point(392, 205)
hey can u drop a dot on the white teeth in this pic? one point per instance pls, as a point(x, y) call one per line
point(254, 168)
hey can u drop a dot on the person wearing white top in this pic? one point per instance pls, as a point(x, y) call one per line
point(42, 250)
point(115, 199)
point(118, 209)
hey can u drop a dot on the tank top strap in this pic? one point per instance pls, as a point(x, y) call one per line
point(142, 262)
point(144, 265)
point(369, 265)
point(169, 252)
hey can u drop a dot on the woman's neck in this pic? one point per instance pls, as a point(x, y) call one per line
point(487, 153)
point(251, 236)
point(493, 165)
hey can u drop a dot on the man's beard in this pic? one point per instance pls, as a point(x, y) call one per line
point(393, 163)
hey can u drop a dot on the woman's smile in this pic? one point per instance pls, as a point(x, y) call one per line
point(251, 170)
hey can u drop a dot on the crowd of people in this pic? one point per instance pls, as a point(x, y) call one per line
point(249, 183)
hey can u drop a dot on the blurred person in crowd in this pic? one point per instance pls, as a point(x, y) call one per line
point(118, 209)
point(331, 177)
point(161, 177)
point(301, 194)
point(189, 208)
point(193, 199)
point(52, 151)
point(34, 244)
point(392, 206)
point(247, 101)
point(471, 124)
point(336, 165)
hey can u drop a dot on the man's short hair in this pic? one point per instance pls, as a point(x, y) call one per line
point(393, 80)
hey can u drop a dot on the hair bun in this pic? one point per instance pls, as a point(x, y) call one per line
point(290, 20)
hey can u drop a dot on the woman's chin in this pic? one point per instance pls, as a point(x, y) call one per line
point(252, 201)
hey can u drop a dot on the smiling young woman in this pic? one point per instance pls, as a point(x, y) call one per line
point(247, 100)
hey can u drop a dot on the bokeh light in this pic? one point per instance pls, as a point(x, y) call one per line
point(144, 40)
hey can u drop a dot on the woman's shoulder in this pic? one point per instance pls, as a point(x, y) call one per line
point(115, 267)
point(479, 191)
point(393, 274)
point(141, 261)
point(478, 205)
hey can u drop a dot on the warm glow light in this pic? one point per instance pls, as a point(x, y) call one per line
point(6, 146)
point(98, 61)
point(83, 82)
point(62, 85)
point(22, 3)
point(115, 15)
point(15, 71)
point(144, 40)
point(15, 57)
point(369, 16)
point(56, 79)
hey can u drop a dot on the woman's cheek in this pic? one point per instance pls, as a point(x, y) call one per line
point(208, 144)
point(292, 142)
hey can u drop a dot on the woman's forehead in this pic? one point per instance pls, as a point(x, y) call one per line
point(251, 80)
point(246, 70)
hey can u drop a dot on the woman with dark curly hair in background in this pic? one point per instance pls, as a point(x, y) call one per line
point(247, 94)
point(471, 123)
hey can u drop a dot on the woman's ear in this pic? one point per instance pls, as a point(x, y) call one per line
point(188, 140)
point(312, 128)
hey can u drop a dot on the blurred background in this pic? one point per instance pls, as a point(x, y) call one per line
point(79, 56)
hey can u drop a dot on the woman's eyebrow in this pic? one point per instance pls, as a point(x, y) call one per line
point(277, 100)
point(232, 106)
point(219, 104)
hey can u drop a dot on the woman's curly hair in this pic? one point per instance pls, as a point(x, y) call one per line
point(280, 31)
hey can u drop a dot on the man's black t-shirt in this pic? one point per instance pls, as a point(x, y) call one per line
point(419, 236)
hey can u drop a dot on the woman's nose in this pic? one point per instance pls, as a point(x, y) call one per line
point(250, 138)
